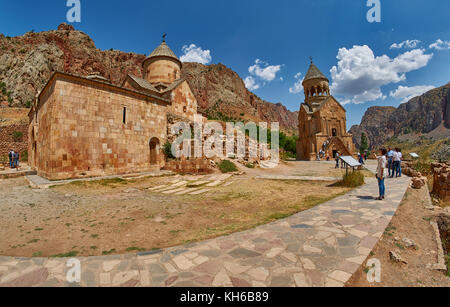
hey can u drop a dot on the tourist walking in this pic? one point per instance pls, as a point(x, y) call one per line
point(11, 158)
point(396, 163)
point(337, 160)
point(399, 165)
point(381, 173)
point(390, 160)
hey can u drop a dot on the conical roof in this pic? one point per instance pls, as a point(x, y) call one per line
point(163, 50)
point(314, 73)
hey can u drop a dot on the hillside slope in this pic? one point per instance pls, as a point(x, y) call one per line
point(425, 115)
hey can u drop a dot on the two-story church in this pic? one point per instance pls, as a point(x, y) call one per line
point(322, 120)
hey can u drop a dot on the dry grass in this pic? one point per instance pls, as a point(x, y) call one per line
point(116, 216)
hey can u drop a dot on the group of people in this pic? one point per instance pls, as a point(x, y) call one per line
point(13, 159)
point(322, 155)
point(392, 160)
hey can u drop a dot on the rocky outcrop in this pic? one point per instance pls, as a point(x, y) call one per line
point(373, 119)
point(28, 61)
point(420, 115)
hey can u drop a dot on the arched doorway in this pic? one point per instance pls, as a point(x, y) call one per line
point(154, 151)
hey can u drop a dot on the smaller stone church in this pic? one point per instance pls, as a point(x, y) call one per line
point(322, 120)
point(87, 127)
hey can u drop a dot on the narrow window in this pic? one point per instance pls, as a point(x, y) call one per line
point(124, 115)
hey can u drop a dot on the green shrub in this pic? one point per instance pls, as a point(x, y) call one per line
point(17, 136)
point(423, 167)
point(167, 149)
point(250, 165)
point(353, 179)
point(227, 166)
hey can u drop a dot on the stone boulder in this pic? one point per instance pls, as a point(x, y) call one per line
point(418, 182)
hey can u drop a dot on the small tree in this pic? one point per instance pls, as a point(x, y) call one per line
point(168, 150)
point(364, 143)
point(17, 136)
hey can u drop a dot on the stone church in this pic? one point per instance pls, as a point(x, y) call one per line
point(86, 126)
point(322, 120)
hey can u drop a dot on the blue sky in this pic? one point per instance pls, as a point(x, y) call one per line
point(269, 42)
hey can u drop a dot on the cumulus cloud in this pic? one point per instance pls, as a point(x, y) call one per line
point(410, 44)
point(251, 84)
point(261, 72)
point(264, 71)
point(192, 53)
point(440, 45)
point(407, 93)
point(297, 87)
point(359, 74)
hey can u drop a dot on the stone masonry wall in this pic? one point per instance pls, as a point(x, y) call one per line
point(7, 141)
point(87, 136)
point(441, 180)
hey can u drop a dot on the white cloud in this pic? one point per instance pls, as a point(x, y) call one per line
point(359, 75)
point(192, 53)
point(407, 93)
point(297, 87)
point(410, 44)
point(440, 45)
point(251, 84)
point(264, 71)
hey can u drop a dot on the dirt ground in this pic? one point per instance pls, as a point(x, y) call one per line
point(120, 216)
point(412, 222)
point(302, 168)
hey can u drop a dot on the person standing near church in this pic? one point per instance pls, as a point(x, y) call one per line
point(16, 160)
point(390, 161)
point(381, 173)
point(396, 158)
point(11, 157)
point(399, 165)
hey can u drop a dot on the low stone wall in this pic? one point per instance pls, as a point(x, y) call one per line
point(441, 180)
point(192, 166)
point(7, 141)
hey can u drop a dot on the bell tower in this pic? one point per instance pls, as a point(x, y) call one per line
point(315, 85)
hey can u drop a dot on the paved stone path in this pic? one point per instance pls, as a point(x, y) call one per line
point(322, 246)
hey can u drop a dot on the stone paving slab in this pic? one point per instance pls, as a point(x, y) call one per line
point(38, 182)
point(302, 178)
point(322, 246)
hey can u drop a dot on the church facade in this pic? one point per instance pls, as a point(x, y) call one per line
point(322, 121)
point(86, 126)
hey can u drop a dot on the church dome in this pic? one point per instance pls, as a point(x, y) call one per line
point(163, 51)
point(162, 65)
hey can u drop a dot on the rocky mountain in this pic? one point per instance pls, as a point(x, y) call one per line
point(428, 114)
point(28, 61)
point(221, 94)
